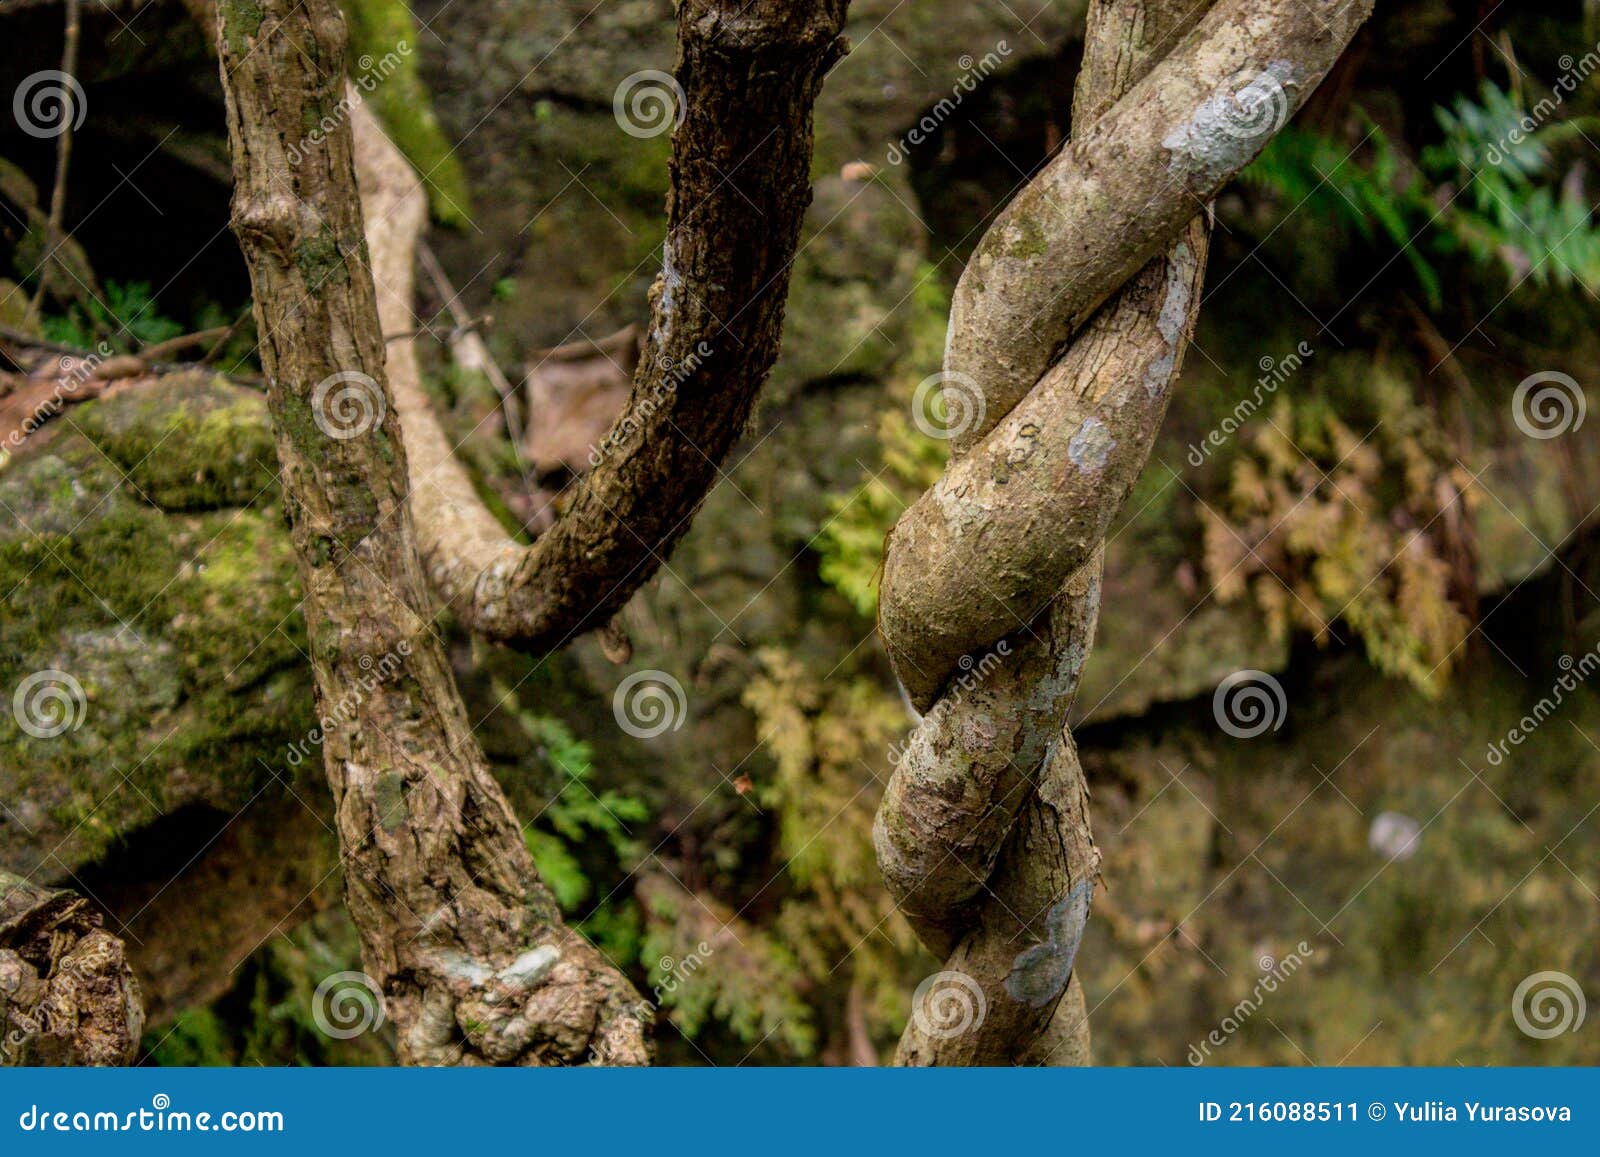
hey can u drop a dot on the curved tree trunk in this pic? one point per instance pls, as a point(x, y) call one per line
point(463, 941)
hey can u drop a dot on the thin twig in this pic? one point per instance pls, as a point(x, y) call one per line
point(464, 330)
point(216, 347)
point(158, 351)
point(29, 341)
point(473, 325)
point(54, 236)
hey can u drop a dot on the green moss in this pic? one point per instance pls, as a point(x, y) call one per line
point(384, 67)
point(191, 443)
point(178, 627)
point(241, 20)
point(321, 260)
point(1030, 241)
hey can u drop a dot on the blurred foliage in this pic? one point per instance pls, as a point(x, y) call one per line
point(1348, 501)
point(1322, 523)
point(850, 543)
point(267, 1018)
point(823, 733)
point(706, 967)
point(128, 317)
point(1488, 190)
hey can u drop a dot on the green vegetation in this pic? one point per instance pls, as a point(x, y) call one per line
point(384, 66)
point(1487, 191)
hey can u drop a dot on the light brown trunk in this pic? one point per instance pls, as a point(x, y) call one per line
point(457, 932)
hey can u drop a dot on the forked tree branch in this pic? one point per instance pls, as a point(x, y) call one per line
point(750, 73)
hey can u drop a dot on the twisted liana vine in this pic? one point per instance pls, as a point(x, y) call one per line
point(1067, 330)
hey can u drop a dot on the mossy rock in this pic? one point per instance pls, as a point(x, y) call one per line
point(151, 601)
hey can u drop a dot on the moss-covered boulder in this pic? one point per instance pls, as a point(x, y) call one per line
point(154, 650)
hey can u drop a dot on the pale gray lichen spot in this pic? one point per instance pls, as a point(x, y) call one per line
point(978, 732)
point(1233, 124)
point(1173, 318)
point(962, 515)
point(1091, 445)
point(1063, 681)
point(1040, 974)
point(459, 966)
point(531, 967)
point(671, 282)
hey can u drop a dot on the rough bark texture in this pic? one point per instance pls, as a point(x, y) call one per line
point(67, 995)
point(457, 931)
point(983, 835)
point(750, 74)
point(985, 550)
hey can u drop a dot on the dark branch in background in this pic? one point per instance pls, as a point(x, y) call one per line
point(54, 223)
point(740, 185)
